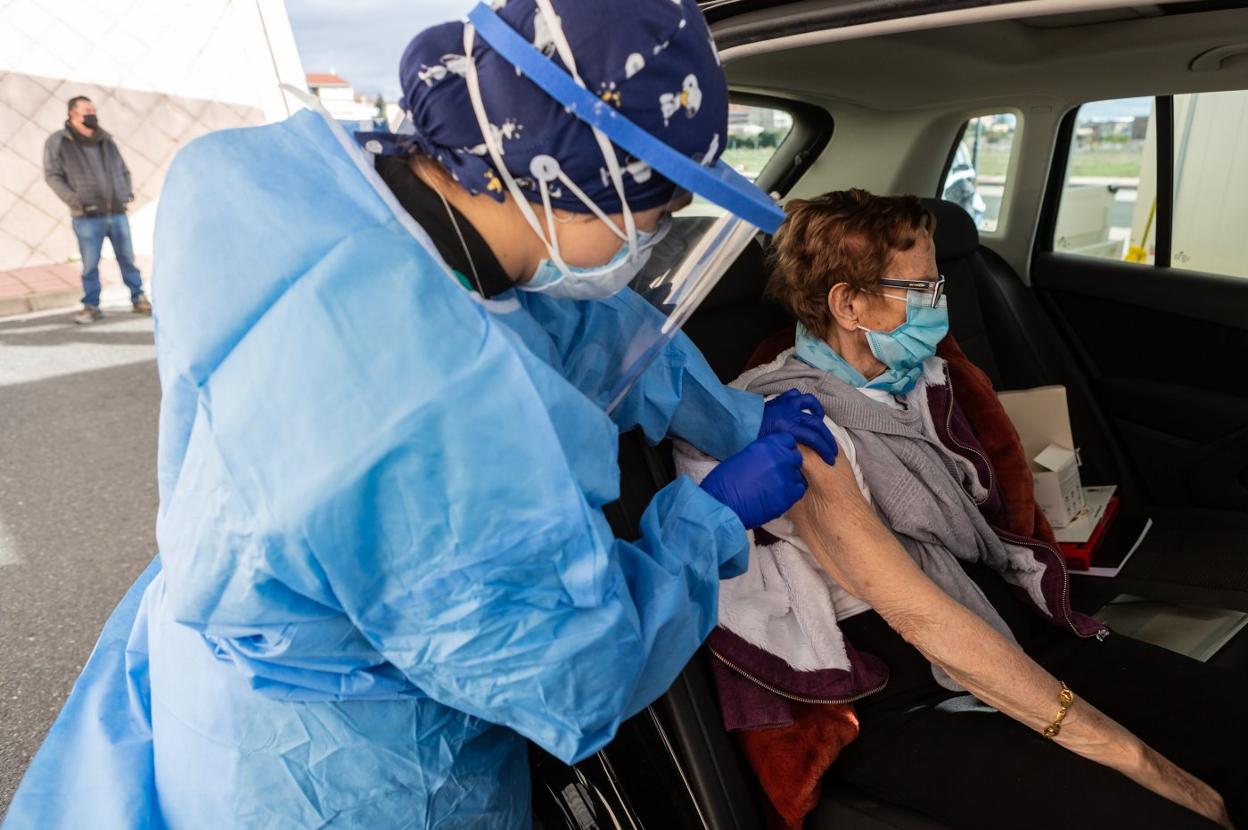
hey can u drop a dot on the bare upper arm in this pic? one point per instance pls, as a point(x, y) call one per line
point(852, 544)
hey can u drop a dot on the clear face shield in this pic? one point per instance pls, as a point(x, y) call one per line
point(669, 273)
point(682, 270)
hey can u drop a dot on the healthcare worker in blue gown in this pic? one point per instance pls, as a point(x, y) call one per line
point(384, 445)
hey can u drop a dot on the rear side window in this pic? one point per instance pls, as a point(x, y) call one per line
point(1159, 181)
point(754, 135)
point(978, 166)
point(1108, 205)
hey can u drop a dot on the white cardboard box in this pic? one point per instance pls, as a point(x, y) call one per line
point(1058, 492)
point(1080, 530)
point(1043, 423)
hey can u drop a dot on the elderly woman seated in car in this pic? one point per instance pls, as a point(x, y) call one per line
point(982, 698)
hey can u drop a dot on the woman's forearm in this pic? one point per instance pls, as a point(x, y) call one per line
point(994, 669)
point(862, 555)
point(1000, 674)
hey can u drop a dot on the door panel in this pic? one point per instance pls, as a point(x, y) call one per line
point(1166, 351)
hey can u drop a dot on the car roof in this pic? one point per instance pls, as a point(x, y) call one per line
point(737, 22)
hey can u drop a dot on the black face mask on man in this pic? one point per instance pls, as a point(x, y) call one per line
point(91, 121)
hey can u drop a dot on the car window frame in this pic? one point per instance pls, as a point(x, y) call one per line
point(806, 141)
point(1011, 167)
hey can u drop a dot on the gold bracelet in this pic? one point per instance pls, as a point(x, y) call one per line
point(1064, 702)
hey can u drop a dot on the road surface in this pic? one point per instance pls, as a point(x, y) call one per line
point(78, 414)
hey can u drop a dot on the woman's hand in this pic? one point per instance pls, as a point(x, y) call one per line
point(1164, 778)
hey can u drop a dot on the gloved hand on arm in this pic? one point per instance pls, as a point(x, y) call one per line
point(802, 416)
point(762, 481)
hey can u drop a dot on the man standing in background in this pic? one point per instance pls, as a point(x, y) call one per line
point(83, 165)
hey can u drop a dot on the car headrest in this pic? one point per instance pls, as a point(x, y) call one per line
point(956, 235)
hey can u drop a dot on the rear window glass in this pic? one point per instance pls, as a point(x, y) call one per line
point(1108, 207)
point(754, 135)
point(978, 168)
point(1211, 183)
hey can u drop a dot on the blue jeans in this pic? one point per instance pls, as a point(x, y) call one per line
point(91, 231)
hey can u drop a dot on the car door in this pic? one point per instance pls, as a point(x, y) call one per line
point(1142, 259)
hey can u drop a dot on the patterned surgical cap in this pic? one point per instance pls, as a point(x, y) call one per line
point(654, 60)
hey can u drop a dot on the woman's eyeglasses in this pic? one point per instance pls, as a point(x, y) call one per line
point(933, 290)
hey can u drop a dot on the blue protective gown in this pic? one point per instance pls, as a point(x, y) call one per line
point(383, 559)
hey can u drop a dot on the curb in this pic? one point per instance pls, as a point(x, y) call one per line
point(25, 304)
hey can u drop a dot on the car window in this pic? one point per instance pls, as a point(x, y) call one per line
point(1211, 183)
point(1110, 206)
point(754, 135)
point(978, 166)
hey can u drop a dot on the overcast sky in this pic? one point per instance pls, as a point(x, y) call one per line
point(362, 40)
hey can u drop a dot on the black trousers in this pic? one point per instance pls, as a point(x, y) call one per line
point(955, 759)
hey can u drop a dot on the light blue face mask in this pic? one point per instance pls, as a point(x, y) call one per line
point(903, 350)
point(571, 283)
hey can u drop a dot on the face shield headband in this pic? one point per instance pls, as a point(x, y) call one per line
point(719, 183)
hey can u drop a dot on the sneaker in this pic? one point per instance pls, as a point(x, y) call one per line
point(142, 306)
point(88, 315)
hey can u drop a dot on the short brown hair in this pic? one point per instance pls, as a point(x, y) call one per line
point(844, 236)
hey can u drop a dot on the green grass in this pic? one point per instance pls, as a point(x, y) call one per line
point(993, 161)
point(1115, 163)
point(748, 161)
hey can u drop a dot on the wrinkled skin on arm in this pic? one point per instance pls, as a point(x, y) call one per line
point(854, 547)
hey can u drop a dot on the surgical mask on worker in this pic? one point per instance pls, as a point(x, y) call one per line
point(572, 283)
point(90, 121)
point(565, 280)
point(904, 349)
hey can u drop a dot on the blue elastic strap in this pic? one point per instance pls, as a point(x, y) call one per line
point(720, 184)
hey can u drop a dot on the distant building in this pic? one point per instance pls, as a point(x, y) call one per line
point(160, 74)
point(339, 99)
point(742, 117)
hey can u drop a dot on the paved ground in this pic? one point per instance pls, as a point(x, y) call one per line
point(51, 286)
point(78, 414)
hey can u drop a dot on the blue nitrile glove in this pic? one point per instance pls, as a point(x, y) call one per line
point(802, 416)
point(762, 481)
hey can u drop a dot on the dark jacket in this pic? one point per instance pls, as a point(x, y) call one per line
point(69, 174)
